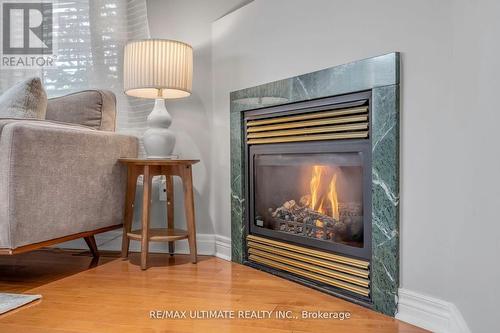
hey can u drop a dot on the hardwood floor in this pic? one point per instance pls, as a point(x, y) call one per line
point(116, 296)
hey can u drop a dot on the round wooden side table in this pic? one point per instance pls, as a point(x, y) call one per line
point(150, 168)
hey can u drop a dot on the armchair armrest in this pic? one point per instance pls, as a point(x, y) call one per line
point(58, 180)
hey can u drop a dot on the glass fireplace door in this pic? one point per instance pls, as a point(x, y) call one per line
point(317, 199)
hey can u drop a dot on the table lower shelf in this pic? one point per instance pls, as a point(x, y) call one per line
point(159, 234)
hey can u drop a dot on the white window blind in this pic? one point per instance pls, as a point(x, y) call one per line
point(90, 36)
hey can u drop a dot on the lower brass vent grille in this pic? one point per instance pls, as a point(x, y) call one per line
point(335, 270)
point(348, 123)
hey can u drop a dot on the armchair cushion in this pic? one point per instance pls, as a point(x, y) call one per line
point(92, 108)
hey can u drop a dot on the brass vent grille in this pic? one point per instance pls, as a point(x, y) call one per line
point(335, 270)
point(348, 123)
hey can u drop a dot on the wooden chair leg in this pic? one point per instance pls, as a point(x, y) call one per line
point(145, 216)
point(170, 211)
point(90, 240)
point(187, 181)
point(129, 208)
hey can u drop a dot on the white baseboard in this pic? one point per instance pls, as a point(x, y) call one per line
point(430, 313)
point(223, 247)
point(207, 244)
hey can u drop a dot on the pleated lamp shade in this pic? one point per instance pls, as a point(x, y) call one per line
point(158, 68)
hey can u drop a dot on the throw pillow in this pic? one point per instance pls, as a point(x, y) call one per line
point(26, 99)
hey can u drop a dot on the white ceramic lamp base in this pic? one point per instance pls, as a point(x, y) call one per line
point(158, 140)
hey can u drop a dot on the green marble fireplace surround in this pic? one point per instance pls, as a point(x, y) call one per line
point(380, 75)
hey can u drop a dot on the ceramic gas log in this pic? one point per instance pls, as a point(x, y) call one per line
point(302, 220)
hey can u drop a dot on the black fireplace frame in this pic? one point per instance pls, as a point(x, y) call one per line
point(362, 146)
point(352, 146)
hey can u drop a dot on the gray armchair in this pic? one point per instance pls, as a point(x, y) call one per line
point(59, 178)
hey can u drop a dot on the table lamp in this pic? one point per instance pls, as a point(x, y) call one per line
point(158, 69)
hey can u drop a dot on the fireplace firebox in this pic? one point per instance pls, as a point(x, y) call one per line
point(309, 192)
point(312, 194)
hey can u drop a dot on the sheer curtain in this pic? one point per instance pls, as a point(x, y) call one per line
point(90, 37)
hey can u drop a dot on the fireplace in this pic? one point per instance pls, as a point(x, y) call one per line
point(309, 185)
point(315, 180)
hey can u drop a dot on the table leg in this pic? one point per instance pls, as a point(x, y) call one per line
point(90, 240)
point(187, 181)
point(129, 208)
point(170, 210)
point(146, 197)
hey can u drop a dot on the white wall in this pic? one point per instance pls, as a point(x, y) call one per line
point(190, 22)
point(450, 188)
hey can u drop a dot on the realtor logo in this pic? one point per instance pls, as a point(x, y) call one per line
point(27, 28)
point(27, 34)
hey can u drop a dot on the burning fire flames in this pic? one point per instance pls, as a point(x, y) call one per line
point(318, 198)
point(333, 198)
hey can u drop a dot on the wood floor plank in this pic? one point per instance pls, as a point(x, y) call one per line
point(115, 295)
